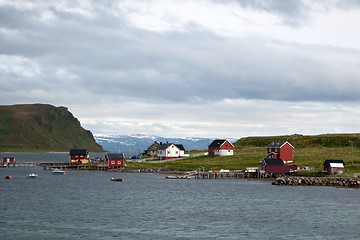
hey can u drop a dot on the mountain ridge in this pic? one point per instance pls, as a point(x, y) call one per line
point(42, 127)
point(139, 142)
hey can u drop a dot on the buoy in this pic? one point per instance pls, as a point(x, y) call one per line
point(8, 177)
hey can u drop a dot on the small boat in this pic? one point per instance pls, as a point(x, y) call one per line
point(8, 177)
point(32, 175)
point(58, 171)
point(117, 179)
point(179, 177)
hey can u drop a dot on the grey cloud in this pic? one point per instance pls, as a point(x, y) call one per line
point(108, 58)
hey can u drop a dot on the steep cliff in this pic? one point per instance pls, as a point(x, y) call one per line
point(42, 127)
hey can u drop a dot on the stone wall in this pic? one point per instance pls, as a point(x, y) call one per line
point(318, 181)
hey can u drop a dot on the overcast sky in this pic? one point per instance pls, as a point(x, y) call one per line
point(186, 68)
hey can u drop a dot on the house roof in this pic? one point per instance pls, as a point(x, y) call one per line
point(78, 152)
point(219, 142)
point(273, 161)
point(115, 155)
point(153, 146)
point(336, 165)
point(180, 146)
point(333, 161)
point(278, 144)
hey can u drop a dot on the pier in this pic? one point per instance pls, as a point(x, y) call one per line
point(230, 175)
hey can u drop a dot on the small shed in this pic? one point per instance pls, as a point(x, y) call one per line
point(281, 150)
point(79, 156)
point(334, 166)
point(274, 165)
point(221, 147)
point(115, 159)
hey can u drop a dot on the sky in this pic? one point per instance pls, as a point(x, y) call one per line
point(186, 68)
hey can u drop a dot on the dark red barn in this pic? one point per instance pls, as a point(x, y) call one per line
point(280, 150)
point(274, 166)
point(115, 159)
point(334, 166)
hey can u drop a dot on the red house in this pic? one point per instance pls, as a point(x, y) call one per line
point(8, 160)
point(280, 150)
point(221, 147)
point(115, 159)
point(79, 156)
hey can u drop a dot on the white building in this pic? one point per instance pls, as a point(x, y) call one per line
point(170, 151)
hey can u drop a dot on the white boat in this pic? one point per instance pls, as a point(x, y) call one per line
point(32, 175)
point(178, 177)
point(58, 171)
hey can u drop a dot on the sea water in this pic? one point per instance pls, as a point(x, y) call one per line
point(87, 205)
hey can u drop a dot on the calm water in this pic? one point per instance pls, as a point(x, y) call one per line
point(87, 205)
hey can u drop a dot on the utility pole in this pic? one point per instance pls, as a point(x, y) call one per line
point(352, 153)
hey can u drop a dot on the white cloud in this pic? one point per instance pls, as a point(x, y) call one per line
point(186, 68)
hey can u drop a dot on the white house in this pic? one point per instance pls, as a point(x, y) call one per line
point(170, 151)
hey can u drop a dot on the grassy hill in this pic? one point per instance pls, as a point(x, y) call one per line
point(41, 127)
point(309, 151)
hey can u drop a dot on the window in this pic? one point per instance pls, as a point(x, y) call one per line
point(112, 162)
point(119, 162)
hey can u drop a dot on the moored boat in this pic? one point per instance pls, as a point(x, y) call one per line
point(58, 171)
point(32, 175)
point(117, 179)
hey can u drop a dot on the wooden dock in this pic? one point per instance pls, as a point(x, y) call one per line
point(229, 175)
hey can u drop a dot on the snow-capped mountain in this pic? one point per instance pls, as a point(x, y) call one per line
point(137, 143)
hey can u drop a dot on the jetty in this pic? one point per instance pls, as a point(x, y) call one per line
point(317, 181)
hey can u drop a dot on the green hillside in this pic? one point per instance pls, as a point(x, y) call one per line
point(41, 127)
point(301, 141)
point(309, 151)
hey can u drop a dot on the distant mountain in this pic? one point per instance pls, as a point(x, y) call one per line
point(137, 143)
point(42, 127)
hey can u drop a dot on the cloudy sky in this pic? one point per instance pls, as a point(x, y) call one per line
point(186, 68)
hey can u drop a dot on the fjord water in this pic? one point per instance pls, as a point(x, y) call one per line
point(87, 205)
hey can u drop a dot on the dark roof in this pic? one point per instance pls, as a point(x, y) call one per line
point(153, 146)
point(273, 161)
point(217, 143)
point(166, 145)
point(278, 144)
point(180, 146)
point(115, 155)
point(333, 161)
point(78, 152)
point(163, 146)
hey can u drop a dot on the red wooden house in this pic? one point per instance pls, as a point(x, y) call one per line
point(221, 147)
point(8, 160)
point(280, 150)
point(79, 156)
point(115, 159)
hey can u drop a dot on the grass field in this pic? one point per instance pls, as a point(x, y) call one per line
point(250, 156)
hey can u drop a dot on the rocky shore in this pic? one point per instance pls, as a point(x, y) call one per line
point(317, 181)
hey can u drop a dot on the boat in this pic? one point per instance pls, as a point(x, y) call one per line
point(117, 179)
point(32, 175)
point(8, 177)
point(178, 177)
point(58, 171)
